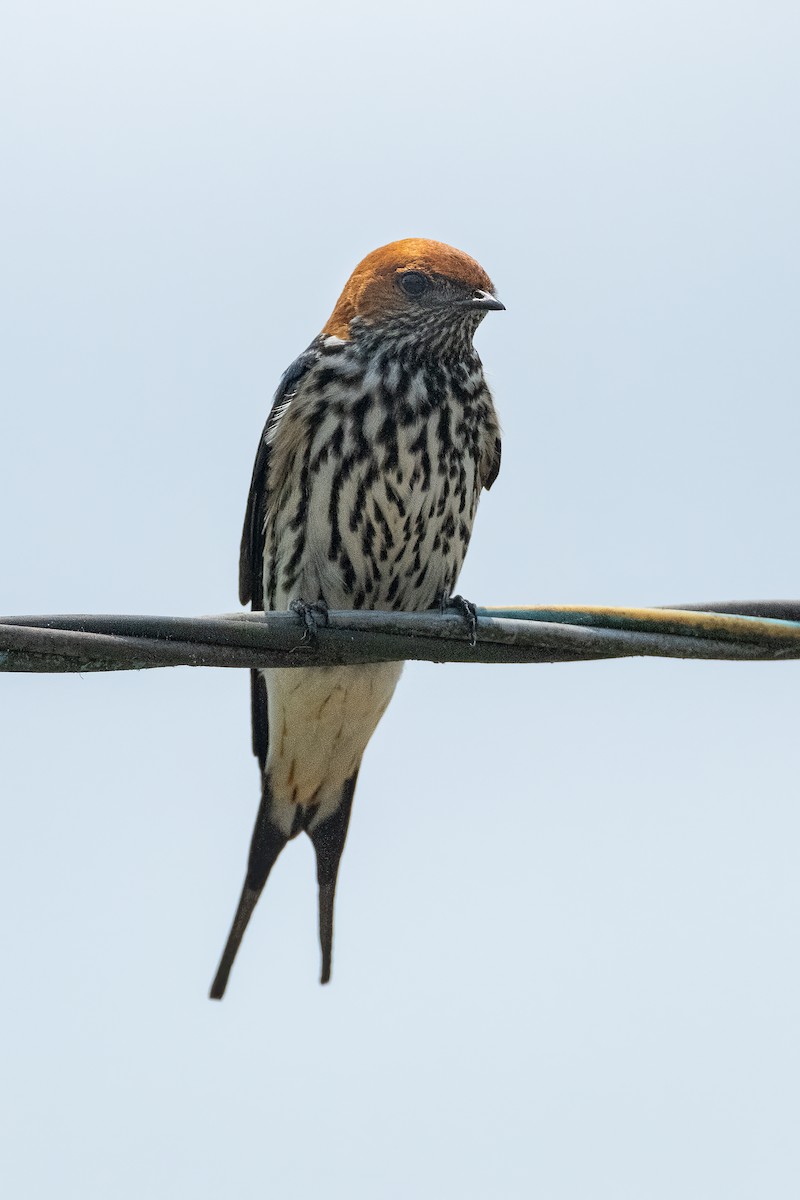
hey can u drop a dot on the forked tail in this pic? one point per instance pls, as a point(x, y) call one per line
point(328, 838)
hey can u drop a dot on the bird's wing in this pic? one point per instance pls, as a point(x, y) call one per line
point(490, 463)
point(251, 555)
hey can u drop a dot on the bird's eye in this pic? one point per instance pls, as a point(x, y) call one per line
point(414, 283)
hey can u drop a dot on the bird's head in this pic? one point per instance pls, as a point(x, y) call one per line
point(414, 288)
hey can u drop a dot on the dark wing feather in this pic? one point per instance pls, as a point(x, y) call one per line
point(494, 464)
point(251, 555)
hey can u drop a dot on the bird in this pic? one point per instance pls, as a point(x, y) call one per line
point(381, 437)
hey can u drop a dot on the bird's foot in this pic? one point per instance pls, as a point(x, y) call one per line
point(467, 610)
point(313, 615)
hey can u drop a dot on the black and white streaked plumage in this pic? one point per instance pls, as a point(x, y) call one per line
point(364, 492)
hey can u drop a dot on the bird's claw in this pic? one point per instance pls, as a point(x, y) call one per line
point(312, 615)
point(468, 611)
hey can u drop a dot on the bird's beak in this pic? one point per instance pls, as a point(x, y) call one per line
point(484, 302)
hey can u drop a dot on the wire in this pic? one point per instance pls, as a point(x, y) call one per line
point(753, 630)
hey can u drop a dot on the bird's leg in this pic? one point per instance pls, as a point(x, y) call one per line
point(312, 615)
point(467, 610)
point(328, 838)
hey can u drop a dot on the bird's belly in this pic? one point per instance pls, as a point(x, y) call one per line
point(391, 539)
point(321, 719)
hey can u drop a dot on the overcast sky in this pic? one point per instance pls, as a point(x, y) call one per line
point(567, 958)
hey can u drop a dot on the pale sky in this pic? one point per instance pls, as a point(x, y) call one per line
point(567, 960)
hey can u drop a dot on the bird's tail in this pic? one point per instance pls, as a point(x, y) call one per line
point(327, 836)
point(266, 845)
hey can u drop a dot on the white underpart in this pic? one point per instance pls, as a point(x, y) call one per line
point(321, 719)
